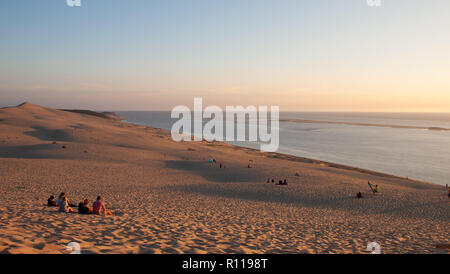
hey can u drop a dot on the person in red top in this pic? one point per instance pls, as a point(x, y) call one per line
point(99, 206)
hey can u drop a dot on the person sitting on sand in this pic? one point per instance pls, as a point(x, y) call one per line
point(359, 195)
point(83, 208)
point(51, 201)
point(99, 206)
point(60, 199)
point(64, 206)
point(285, 182)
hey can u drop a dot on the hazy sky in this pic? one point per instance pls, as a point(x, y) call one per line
point(333, 55)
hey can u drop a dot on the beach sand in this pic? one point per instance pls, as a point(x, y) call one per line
point(168, 199)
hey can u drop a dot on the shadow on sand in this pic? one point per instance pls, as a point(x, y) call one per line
point(261, 192)
point(213, 173)
point(41, 151)
point(45, 134)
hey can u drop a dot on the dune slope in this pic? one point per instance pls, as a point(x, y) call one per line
point(169, 199)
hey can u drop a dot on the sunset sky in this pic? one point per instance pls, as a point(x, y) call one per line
point(314, 55)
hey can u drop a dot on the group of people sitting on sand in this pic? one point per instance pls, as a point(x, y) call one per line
point(280, 182)
point(64, 205)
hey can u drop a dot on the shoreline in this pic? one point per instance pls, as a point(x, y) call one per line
point(306, 121)
point(294, 158)
point(116, 117)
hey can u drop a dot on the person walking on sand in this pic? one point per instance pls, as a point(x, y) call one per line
point(64, 206)
point(372, 188)
point(99, 206)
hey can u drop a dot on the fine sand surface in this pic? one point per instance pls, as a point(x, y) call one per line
point(169, 199)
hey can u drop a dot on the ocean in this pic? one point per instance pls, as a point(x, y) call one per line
point(413, 145)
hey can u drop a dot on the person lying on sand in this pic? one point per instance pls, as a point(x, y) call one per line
point(51, 201)
point(83, 207)
point(99, 206)
point(64, 206)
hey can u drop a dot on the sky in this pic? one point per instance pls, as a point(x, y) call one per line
point(311, 55)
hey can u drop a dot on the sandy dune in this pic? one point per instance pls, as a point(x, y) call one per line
point(169, 199)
